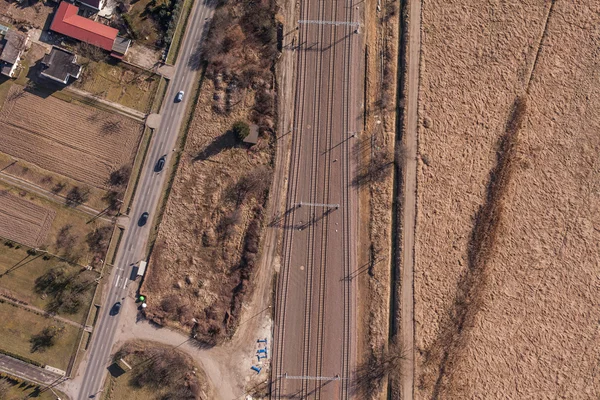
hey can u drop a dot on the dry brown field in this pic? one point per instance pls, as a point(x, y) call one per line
point(23, 221)
point(524, 323)
point(73, 140)
point(197, 269)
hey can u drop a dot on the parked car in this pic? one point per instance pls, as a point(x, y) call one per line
point(143, 219)
point(116, 308)
point(160, 164)
point(179, 96)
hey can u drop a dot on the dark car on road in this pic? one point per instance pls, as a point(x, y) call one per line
point(179, 96)
point(116, 308)
point(143, 219)
point(160, 164)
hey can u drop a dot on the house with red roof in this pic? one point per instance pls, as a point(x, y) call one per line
point(67, 22)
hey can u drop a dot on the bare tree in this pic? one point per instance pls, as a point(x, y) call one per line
point(46, 338)
point(77, 196)
point(368, 375)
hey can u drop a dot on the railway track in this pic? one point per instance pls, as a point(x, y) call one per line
point(316, 124)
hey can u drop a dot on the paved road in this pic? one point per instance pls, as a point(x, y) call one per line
point(315, 309)
point(149, 192)
point(28, 371)
point(409, 194)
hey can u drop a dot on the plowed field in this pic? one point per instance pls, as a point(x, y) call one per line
point(23, 221)
point(73, 140)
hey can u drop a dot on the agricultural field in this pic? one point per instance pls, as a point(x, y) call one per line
point(506, 270)
point(77, 141)
point(24, 221)
point(199, 265)
point(72, 234)
point(19, 334)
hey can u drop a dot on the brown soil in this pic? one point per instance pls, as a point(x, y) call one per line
point(25, 15)
point(23, 221)
point(520, 322)
point(79, 142)
point(208, 239)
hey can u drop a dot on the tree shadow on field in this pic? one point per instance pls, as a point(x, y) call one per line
point(452, 341)
point(196, 59)
point(224, 142)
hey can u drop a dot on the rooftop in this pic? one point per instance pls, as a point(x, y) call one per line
point(60, 64)
point(67, 22)
point(13, 45)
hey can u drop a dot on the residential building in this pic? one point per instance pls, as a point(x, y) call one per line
point(12, 46)
point(67, 22)
point(95, 5)
point(60, 65)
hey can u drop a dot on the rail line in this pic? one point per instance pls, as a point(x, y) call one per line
point(314, 181)
point(325, 221)
point(319, 180)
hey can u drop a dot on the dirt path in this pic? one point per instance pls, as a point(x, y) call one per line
point(409, 195)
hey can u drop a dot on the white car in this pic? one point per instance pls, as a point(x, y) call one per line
point(179, 96)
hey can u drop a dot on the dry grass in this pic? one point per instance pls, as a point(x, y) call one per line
point(376, 184)
point(505, 302)
point(176, 375)
point(76, 141)
point(206, 247)
point(119, 83)
point(16, 333)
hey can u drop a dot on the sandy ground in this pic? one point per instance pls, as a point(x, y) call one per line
point(535, 334)
point(143, 56)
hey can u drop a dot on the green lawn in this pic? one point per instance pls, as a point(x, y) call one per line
point(19, 390)
point(119, 83)
point(19, 270)
point(19, 325)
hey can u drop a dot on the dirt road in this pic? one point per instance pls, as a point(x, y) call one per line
point(314, 317)
point(409, 200)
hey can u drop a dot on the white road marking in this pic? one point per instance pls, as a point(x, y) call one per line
point(117, 283)
point(125, 284)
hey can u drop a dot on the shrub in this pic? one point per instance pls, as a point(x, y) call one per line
point(241, 130)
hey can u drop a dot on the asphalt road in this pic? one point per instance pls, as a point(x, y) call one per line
point(150, 190)
point(314, 349)
point(28, 371)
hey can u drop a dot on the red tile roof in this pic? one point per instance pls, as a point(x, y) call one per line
point(67, 22)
